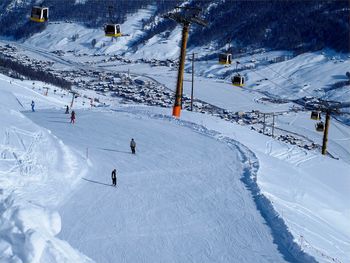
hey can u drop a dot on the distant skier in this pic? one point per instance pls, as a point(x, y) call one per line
point(133, 146)
point(114, 177)
point(67, 110)
point(33, 105)
point(72, 117)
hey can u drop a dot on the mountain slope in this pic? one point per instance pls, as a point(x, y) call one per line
point(292, 25)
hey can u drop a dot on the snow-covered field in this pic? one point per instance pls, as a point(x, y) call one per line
point(199, 189)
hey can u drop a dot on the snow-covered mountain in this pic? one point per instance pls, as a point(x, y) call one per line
point(288, 25)
point(238, 179)
point(280, 73)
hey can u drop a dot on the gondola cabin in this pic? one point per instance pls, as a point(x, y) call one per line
point(112, 30)
point(237, 80)
point(315, 115)
point(319, 126)
point(39, 14)
point(225, 58)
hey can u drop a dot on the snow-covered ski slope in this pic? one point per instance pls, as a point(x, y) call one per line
point(224, 95)
point(181, 198)
point(171, 204)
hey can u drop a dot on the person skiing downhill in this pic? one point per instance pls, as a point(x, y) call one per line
point(114, 177)
point(33, 105)
point(72, 117)
point(67, 110)
point(133, 146)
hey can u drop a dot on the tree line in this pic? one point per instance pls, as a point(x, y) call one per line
point(34, 74)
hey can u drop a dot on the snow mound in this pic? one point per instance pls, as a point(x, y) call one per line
point(27, 234)
point(36, 171)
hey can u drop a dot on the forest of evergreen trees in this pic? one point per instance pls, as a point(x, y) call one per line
point(290, 24)
point(34, 74)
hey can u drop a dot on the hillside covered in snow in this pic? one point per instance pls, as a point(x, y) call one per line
point(244, 25)
point(240, 178)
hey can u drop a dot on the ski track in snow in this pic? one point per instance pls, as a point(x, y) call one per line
point(282, 237)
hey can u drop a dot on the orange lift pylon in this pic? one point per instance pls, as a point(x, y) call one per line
point(180, 76)
point(190, 15)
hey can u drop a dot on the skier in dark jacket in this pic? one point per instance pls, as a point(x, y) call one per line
point(72, 117)
point(67, 110)
point(114, 177)
point(33, 105)
point(133, 146)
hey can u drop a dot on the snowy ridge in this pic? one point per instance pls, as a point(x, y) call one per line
point(27, 234)
point(293, 195)
point(292, 251)
point(34, 171)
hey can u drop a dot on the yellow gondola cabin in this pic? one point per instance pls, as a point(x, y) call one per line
point(225, 58)
point(39, 14)
point(112, 30)
point(315, 115)
point(319, 126)
point(237, 80)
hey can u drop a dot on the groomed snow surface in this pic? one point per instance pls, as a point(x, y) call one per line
point(178, 199)
point(181, 198)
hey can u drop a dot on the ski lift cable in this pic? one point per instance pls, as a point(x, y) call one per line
point(266, 79)
point(275, 82)
point(261, 75)
point(288, 79)
point(309, 93)
point(278, 85)
point(341, 130)
point(278, 73)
